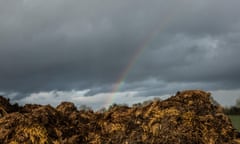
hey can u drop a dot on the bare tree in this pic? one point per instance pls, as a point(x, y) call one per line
point(85, 108)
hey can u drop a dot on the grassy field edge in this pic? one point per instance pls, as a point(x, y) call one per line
point(235, 121)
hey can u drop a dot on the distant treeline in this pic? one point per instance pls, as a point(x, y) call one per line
point(234, 110)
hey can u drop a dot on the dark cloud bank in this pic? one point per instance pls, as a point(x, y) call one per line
point(65, 45)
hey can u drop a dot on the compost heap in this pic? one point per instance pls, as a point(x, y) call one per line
point(188, 117)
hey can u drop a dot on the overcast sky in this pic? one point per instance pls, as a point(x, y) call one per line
point(76, 50)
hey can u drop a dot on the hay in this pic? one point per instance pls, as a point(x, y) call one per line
point(187, 117)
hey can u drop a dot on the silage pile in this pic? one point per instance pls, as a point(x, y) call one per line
point(187, 117)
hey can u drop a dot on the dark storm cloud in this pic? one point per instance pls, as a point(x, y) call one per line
point(65, 45)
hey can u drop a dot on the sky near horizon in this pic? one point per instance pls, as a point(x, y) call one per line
point(118, 51)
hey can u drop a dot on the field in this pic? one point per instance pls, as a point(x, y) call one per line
point(236, 121)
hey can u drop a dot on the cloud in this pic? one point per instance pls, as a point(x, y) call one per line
point(77, 97)
point(98, 101)
point(70, 45)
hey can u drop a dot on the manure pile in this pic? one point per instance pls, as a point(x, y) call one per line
point(189, 117)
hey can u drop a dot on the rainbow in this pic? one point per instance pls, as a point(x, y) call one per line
point(137, 53)
point(120, 80)
point(130, 65)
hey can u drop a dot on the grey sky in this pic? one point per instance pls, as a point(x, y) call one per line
point(77, 45)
